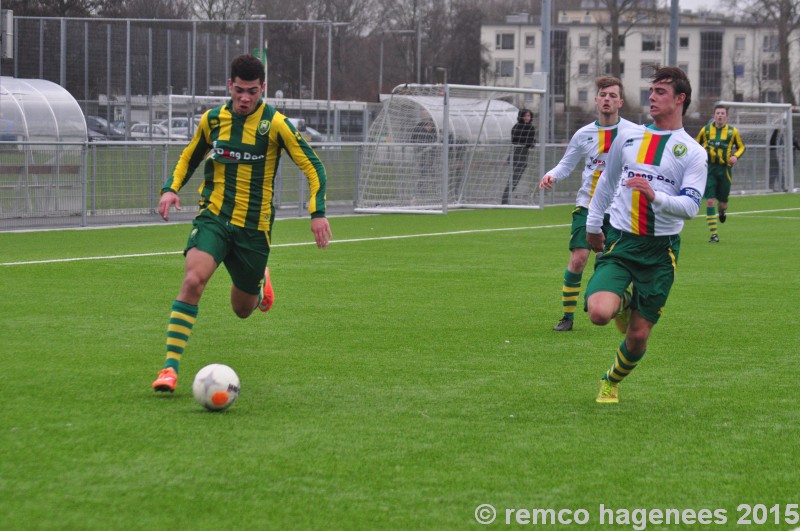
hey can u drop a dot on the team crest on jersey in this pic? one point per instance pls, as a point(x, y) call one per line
point(263, 127)
point(679, 150)
point(213, 122)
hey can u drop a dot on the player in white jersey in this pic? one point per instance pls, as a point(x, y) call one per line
point(589, 145)
point(653, 180)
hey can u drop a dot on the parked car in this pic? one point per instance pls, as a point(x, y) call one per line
point(154, 132)
point(100, 125)
point(179, 125)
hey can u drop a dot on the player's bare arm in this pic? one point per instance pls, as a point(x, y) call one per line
point(322, 231)
point(167, 200)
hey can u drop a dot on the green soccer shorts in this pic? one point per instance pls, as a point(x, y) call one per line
point(647, 261)
point(718, 183)
point(243, 251)
point(577, 238)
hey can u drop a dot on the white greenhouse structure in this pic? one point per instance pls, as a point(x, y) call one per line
point(435, 147)
point(42, 147)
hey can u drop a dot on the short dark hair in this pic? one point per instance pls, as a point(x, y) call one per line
point(677, 79)
point(718, 106)
point(604, 82)
point(247, 68)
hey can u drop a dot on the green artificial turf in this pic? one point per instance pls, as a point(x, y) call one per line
point(405, 376)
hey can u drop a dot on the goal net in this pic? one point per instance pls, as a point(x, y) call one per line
point(768, 161)
point(436, 147)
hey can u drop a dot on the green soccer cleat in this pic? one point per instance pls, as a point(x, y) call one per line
point(608, 394)
point(623, 317)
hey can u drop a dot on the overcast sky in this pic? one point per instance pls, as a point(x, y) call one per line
point(696, 4)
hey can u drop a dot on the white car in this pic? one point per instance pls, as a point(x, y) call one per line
point(179, 125)
point(153, 132)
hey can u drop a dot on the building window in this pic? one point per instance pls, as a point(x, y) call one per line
point(504, 68)
point(770, 43)
point(504, 41)
point(620, 39)
point(738, 96)
point(644, 97)
point(530, 41)
point(683, 42)
point(771, 96)
point(583, 41)
point(648, 69)
point(583, 69)
point(530, 68)
point(583, 96)
point(684, 67)
point(738, 70)
point(651, 43)
point(769, 72)
point(738, 43)
point(621, 68)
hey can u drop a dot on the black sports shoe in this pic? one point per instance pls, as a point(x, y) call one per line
point(564, 325)
point(722, 216)
point(714, 239)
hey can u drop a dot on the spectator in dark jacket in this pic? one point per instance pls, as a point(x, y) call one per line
point(523, 138)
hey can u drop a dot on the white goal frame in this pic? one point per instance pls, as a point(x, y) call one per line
point(451, 189)
point(776, 116)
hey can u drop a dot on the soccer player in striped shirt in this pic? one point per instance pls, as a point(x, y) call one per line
point(719, 139)
point(653, 181)
point(239, 144)
point(590, 145)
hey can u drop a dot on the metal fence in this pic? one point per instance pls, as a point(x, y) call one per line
point(46, 186)
point(126, 70)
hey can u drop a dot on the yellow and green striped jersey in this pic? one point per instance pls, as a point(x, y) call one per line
point(719, 142)
point(241, 156)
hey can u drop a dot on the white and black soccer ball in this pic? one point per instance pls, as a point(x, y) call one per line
point(216, 387)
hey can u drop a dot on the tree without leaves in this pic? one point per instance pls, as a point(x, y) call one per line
point(52, 8)
point(154, 9)
point(784, 16)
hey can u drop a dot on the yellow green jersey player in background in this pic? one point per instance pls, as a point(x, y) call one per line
point(724, 146)
point(240, 145)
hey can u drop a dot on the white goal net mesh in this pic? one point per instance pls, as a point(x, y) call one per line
point(766, 131)
point(435, 147)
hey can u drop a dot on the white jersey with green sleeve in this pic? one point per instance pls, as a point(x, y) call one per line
point(675, 166)
point(590, 144)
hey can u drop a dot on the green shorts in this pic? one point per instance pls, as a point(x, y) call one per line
point(649, 262)
point(577, 239)
point(243, 251)
point(718, 183)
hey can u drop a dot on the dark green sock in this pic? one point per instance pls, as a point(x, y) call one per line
point(624, 363)
point(181, 321)
point(711, 219)
point(570, 292)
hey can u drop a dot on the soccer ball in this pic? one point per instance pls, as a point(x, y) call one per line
point(216, 387)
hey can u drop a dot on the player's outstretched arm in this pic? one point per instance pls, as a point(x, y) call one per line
point(168, 199)
point(322, 231)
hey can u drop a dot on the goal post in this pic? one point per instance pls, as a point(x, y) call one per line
point(432, 148)
point(766, 130)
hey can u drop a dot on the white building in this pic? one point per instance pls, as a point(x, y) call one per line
point(725, 59)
